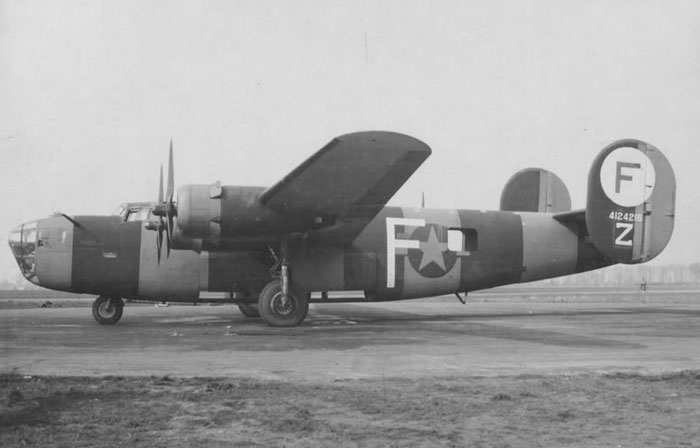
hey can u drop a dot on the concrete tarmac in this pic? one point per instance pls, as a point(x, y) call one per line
point(347, 341)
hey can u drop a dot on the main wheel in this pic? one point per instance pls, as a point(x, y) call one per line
point(249, 309)
point(279, 313)
point(107, 310)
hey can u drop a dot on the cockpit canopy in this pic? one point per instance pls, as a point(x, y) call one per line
point(135, 211)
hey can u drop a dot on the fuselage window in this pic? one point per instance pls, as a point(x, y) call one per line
point(462, 240)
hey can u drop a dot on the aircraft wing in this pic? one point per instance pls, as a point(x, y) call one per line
point(350, 178)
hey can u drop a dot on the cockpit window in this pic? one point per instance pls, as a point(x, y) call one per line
point(120, 211)
point(140, 214)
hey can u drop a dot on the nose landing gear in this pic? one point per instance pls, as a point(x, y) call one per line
point(107, 310)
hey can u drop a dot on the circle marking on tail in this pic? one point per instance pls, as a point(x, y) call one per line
point(627, 176)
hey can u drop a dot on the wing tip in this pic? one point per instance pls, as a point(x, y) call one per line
point(389, 137)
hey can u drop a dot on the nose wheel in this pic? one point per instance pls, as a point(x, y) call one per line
point(107, 310)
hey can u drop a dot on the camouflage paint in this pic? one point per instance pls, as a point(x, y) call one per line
point(54, 253)
point(429, 265)
point(106, 256)
point(175, 278)
point(550, 249)
point(535, 190)
point(242, 271)
point(498, 258)
point(343, 239)
point(424, 266)
point(109, 256)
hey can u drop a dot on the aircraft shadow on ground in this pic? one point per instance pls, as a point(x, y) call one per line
point(374, 327)
point(350, 327)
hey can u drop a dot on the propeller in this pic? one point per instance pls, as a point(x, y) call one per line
point(165, 210)
point(171, 211)
point(159, 235)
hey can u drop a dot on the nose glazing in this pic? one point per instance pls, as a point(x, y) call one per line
point(23, 243)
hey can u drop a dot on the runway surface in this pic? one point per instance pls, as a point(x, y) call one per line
point(344, 341)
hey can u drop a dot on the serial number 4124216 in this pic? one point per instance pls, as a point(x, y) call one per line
point(625, 217)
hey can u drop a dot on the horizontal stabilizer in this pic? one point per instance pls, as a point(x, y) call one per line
point(575, 220)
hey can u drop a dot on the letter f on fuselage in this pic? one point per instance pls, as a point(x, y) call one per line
point(392, 243)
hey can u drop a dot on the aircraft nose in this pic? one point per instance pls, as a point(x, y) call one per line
point(23, 243)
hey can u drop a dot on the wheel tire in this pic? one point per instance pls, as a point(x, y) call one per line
point(275, 313)
point(249, 309)
point(107, 311)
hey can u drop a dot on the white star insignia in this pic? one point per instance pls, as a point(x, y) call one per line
point(432, 251)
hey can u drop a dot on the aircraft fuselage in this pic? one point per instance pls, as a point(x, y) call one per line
point(402, 253)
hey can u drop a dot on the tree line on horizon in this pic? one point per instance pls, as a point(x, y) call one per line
point(633, 275)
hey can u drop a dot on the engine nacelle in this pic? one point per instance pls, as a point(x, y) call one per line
point(199, 211)
point(211, 215)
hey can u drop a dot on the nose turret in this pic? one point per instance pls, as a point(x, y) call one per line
point(43, 251)
point(23, 243)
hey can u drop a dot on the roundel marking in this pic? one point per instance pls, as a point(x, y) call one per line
point(627, 176)
point(432, 259)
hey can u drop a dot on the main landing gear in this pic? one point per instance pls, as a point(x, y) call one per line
point(281, 302)
point(107, 310)
point(280, 311)
point(249, 309)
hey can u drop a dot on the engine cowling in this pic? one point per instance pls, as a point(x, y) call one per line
point(212, 215)
point(199, 211)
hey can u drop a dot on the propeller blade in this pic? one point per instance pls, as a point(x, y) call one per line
point(169, 229)
point(159, 243)
point(160, 186)
point(171, 176)
point(165, 208)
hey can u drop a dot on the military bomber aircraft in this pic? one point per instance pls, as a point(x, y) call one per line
point(325, 227)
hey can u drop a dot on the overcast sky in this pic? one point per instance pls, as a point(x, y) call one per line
point(91, 92)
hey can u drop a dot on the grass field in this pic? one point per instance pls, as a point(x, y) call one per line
point(564, 411)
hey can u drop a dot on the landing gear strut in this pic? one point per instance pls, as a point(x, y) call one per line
point(107, 310)
point(281, 302)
